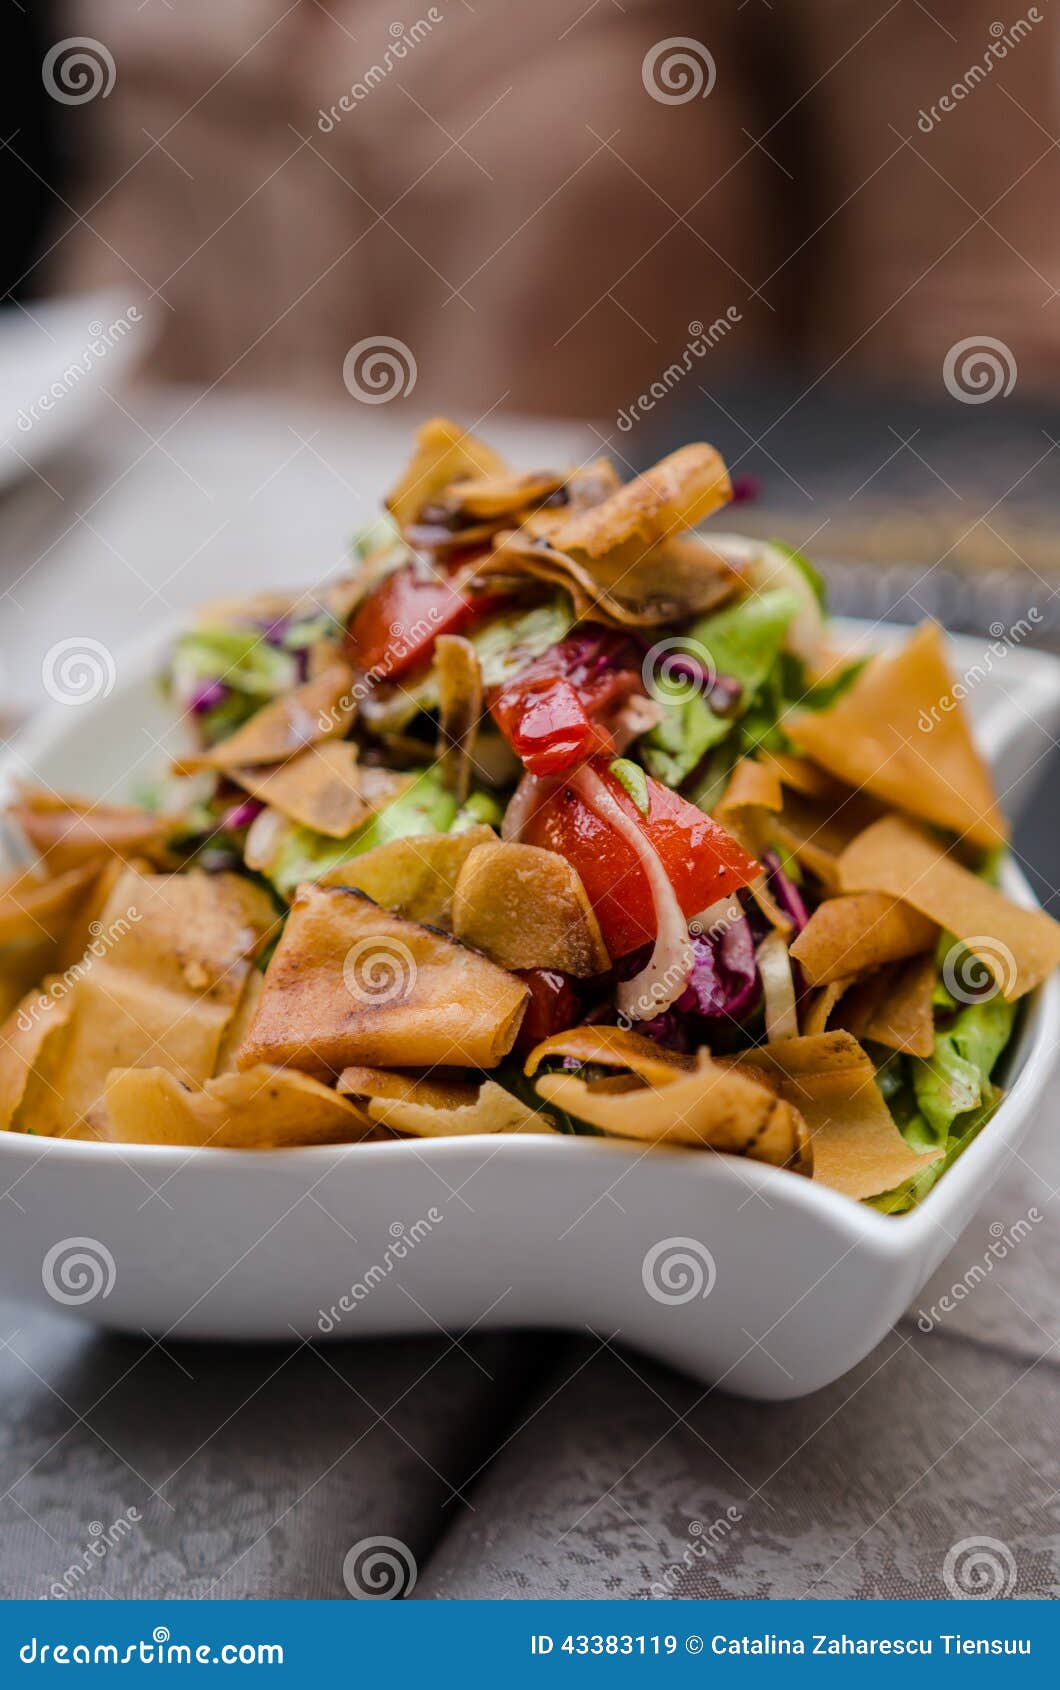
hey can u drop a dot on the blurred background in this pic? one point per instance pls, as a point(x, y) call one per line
point(249, 246)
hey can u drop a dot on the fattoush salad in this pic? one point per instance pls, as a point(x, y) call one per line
point(551, 815)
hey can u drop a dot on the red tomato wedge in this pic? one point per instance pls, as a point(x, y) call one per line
point(394, 629)
point(550, 714)
point(702, 861)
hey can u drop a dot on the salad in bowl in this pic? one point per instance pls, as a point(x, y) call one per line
point(552, 814)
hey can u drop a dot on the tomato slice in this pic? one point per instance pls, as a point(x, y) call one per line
point(549, 714)
point(394, 629)
point(702, 861)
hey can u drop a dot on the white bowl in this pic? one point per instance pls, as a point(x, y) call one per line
point(787, 1284)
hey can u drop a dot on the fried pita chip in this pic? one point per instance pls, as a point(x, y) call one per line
point(899, 731)
point(436, 1107)
point(613, 1047)
point(349, 983)
point(459, 710)
point(71, 833)
point(714, 1106)
point(830, 1080)
point(816, 1015)
point(33, 908)
point(631, 587)
point(324, 788)
point(751, 797)
point(318, 710)
point(35, 1023)
point(527, 908)
point(259, 1109)
point(676, 493)
point(499, 497)
point(242, 1021)
point(1020, 947)
point(894, 1007)
point(22, 966)
point(817, 832)
point(414, 877)
point(847, 936)
point(159, 983)
point(801, 775)
point(444, 453)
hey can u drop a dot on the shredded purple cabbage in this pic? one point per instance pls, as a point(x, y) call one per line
point(241, 815)
point(207, 697)
point(723, 988)
point(785, 891)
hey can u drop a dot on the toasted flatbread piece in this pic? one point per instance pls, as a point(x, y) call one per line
point(259, 1109)
point(444, 453)
point(830, 1080)
point(894, 1007)
point(414, 877)
point(1020, 947)
point(899, 731)
point(324, 788)
point(614, 1047)
point(491, 498)
point(318, 710)
point(433, 1106)
point(852, 935)
point(527, 908)
point(350, 984)
point(33, 908)
point(817, 831)
point(634, 586)
point(35, 1023)
point(460, 704)
point(714, 1106)
point(676, 493)
point(70, 833)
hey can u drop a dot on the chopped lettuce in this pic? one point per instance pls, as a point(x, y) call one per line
point(240, 657)
point(744, 640)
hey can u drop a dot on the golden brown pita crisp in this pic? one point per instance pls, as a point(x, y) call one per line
point(894, 1007)
point(70, 833)
point(815, 1016)
point(460, 704)
point(750, 800)
point(816, 832)
point(414, 877)
point(33, 908)
point(676, 493)
point(801, 775)
point(259, 1109)
point(631, 587)
point(491, 498)
point(242, 1021)
point(349, 983)
point(527, 908)
point(324, 788)
point(318, 710)
point(158, 985)
point(613, 1047)
point(899, 732)
point(444, 453)
point(857, 1149)
point(434, 1107)
point(851, 935)
point(1021, 947)
point(37, 1020)
point(714, 1106)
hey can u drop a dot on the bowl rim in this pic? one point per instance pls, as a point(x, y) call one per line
point(1031, 1060)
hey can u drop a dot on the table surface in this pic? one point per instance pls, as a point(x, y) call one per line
point(515, 1465)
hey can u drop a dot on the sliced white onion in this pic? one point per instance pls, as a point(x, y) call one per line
point(637, 716)
point(713, 921)
point(263, 837)
point(528, 795)
point(661, 982)
point(778, 988)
